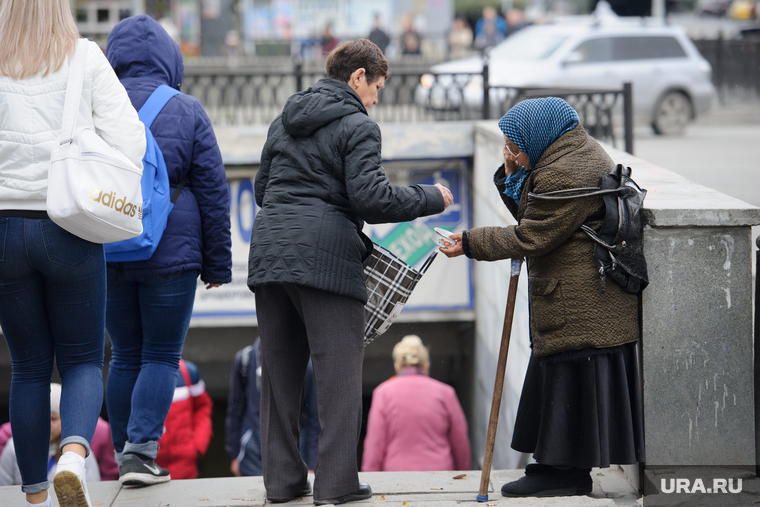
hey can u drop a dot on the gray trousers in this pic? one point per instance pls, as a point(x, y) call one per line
point(294, 323)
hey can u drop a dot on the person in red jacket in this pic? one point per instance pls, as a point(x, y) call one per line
point(187, 429)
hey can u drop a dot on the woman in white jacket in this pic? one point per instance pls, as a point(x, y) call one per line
point(52, 283)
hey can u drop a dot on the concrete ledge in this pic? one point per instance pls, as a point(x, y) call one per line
point(672, 200)
point(241, 146)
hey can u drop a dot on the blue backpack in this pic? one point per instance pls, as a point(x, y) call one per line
point(155, 189)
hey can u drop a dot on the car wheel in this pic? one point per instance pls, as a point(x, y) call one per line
point(672, 114)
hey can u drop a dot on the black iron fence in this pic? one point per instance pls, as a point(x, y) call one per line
point(256, 95)
point(735, 67)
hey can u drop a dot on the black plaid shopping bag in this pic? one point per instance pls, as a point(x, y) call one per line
point(390, 282)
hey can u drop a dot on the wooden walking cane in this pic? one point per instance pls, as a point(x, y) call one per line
point(498, 387)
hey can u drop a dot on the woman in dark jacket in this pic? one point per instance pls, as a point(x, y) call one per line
point(320, 178)
point(581, 401)
point(150, 302)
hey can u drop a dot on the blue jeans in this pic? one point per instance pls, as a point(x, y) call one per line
point(147, 319)
point(52, 307)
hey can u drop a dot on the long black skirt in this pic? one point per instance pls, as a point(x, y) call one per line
point(582, 408)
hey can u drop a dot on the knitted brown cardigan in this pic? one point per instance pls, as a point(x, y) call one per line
point(567, 310)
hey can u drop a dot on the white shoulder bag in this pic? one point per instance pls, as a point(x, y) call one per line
point(93, 189)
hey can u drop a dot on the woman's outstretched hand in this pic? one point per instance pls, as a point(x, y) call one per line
point(456, 250)
point(448, 199)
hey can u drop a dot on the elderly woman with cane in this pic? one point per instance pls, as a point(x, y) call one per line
point(581, 400)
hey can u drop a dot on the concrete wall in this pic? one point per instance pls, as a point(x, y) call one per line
point(697, 322)
point(697, 318)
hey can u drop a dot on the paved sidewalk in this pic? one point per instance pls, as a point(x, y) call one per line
point(390, 489)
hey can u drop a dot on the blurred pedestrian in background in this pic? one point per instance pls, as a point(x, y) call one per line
point(320, 178)
point(460, 38)
point(515, 20)
point(243, 433)
point(581, 403)
point(378, 35)
point(150, 302)
point(234, 44)
point(415, 422)
point(490, 17)
point(102, 448)
point(329, 42)
point(9, 471)
point(490, 30)
point(410, 38)
point(187, 429)
point(52, 283)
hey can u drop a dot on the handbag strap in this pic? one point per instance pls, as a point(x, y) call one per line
point(155, 104)
point(73, 92)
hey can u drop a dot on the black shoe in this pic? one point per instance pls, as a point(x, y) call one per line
point(543, 480)
point(137, 471)
point(362, 493)
point(541, 469)
point(305, 491)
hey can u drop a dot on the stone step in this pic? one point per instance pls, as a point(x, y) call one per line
point(390, 489)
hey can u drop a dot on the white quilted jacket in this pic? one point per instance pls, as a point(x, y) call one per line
point(31, 111)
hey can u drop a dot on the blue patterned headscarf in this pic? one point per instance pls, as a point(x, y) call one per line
point(533, 125)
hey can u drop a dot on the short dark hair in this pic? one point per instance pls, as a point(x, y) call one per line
point(357, 54)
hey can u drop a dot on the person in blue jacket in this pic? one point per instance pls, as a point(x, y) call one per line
point(150, 302)
point(242, 425)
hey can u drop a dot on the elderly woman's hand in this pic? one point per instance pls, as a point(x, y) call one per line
point(510, 166)
point(456, 250)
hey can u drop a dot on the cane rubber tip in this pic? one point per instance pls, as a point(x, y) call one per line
point(482, 498)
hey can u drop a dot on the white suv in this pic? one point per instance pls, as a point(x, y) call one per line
point(671, 80)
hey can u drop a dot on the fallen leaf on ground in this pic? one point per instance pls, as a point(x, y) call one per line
point(600, 473)
point(491, 504)
point(381, 497)
point(460, 476)
point(404, 503)
point(204, 499)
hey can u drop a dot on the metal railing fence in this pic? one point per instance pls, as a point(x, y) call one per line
point(735, 67)
point(244, 96)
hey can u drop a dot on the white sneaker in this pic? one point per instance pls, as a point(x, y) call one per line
point(70, 483)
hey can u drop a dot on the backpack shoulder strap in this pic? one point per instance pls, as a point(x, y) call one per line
point(155, 104)
point(572, 193)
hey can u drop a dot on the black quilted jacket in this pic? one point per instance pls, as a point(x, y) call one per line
point(320, 178)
